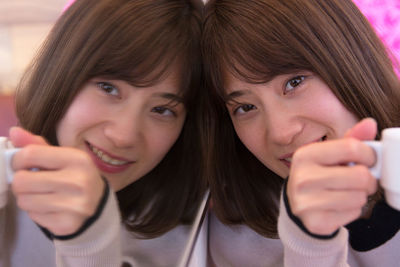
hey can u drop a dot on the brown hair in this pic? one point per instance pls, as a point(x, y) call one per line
point(140, 42)
point(255, 40)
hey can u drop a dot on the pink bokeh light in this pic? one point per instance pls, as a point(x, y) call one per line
point(384, 15)
point(67, 5)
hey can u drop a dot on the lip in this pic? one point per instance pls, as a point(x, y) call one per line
point(290, 155)
point(104, 166)
point(284, 157)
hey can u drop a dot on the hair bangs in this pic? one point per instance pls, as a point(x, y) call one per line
point(245, 49)
point(147, 57)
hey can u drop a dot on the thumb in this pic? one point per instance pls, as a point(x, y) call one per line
point(20, 137)
point(365, 129)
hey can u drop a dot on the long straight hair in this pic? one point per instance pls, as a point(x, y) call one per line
point(141, 42)
point(256, 40)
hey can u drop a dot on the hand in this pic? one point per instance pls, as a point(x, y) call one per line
point(64, 192)
point(323, 191)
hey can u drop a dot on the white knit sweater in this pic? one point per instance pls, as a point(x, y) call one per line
point(106, 243)
point(240, 246)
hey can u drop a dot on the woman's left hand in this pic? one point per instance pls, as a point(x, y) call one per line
point(65, 190)
point(323, 191)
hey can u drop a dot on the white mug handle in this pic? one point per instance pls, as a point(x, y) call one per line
point(7, 176)
point(8, 155)
point(6, 171)
point(376, 170)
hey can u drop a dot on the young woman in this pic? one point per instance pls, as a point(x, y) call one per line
point(110, 104)
point(293, 84)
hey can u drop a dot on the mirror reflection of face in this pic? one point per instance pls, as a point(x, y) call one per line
point(273, 119)
point(126, 130)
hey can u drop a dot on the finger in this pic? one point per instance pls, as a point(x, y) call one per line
point(40, 203)
point(25, 182)
point(20, 137)
point(49, 203)
point(48, 157)
point(356, 177)
point(366, 129)
point(338, 201)
point(334, 152)
point(43, 181)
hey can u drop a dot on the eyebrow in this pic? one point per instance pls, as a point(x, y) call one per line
point(235, 94)
point(170, 96)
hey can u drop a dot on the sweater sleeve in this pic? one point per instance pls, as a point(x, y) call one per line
point(98, 246)
point(302, 249)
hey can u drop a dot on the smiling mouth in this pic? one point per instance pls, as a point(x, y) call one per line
point(106, 158)
point(288, 160)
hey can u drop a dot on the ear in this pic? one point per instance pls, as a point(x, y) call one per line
point(20, 137)
point(366, 129)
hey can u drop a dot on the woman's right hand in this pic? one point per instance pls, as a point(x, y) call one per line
point(323, 190)
point(65, 190)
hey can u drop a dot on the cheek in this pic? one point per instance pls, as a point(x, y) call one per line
point(256, 141)
point(160, 140)
point(253, 137)
point(79, 116)
point(337, 115)
point(346, 121)
point(325, 108)
point(66, 129)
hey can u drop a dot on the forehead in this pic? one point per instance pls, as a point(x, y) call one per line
point(167, 77)
point(238, 77)
point(170, 82)
point(233, 84)
point(235, 88)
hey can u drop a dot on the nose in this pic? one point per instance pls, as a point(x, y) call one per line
point(123, 131)
point(283, 127)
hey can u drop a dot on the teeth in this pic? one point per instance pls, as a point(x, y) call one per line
point(106, 158)
point(289, 159)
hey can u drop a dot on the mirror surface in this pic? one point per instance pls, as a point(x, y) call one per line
point(24, 24)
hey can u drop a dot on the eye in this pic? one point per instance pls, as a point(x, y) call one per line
point(108, 88)
point(293, 83)
point(244, 109)
point(164, 111)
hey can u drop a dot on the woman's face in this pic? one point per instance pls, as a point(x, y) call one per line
point(125, 129)
point(275, 118)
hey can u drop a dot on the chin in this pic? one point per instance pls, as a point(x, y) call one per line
point(115, 188)
point(282, 173)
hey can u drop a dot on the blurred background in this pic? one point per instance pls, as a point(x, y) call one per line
point(384, 15)
point(23, 26)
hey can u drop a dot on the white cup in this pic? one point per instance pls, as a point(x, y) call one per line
point(7, 151)
point(387, 166)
